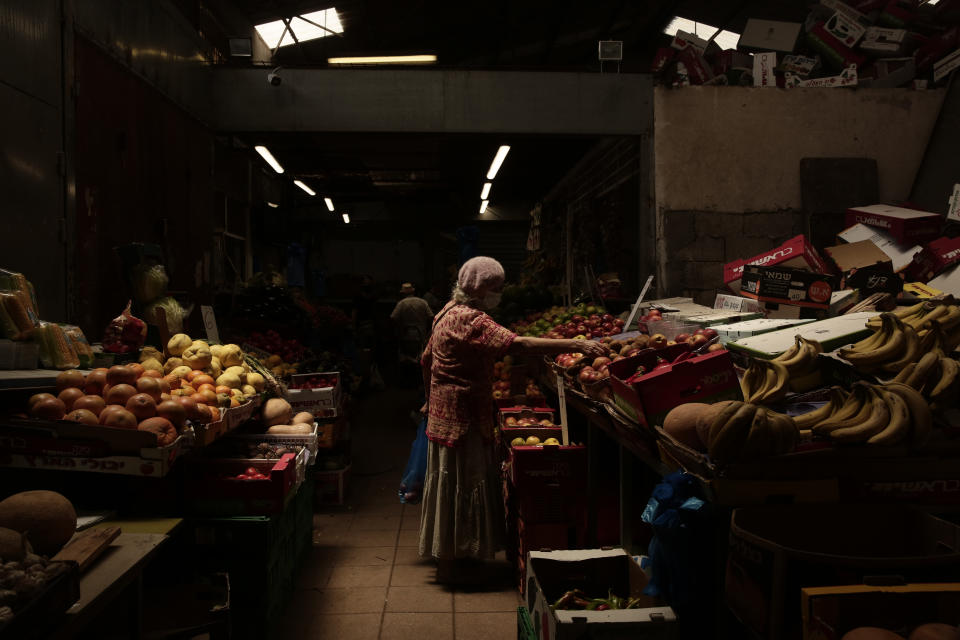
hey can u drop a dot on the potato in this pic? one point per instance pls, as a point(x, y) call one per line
point(291, 429)
point(304, 417)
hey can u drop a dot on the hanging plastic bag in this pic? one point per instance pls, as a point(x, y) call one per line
point(411, 484)
point(125, 333)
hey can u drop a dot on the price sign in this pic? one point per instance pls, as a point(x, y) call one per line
point(636, 305)
point(562, 399)
point(210, 324)
point(953, 212)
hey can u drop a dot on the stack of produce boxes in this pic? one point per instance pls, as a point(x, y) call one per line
point(544, 484)
point(322, 395)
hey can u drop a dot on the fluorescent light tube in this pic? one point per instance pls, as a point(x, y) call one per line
point(485, 194)
point(483, 205)
point(305, 187)
point(497, 161)
point(266, 155)
point(329, 204)
point(272, 205)
point(346, 218)
point(418, 59)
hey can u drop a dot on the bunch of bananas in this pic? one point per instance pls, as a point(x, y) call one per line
point(902, 337)
point(742, 431)
point(886, 414)
point(796, 369)
point(936, 376)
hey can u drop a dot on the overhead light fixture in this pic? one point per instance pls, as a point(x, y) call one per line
point(305, 187)
point(486, 190)
point(346, 218)
point(329, 204)
point(497, 161)
point(418, 59)
point(272, 205)
point(266, 155)
point(483, 205)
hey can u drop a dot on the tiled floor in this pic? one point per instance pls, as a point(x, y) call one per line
point(364, 578)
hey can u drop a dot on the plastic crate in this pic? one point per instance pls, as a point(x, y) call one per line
point(262, 578)
point(525, 630)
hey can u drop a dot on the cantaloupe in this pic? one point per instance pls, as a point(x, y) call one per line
point(46, 517)
point(681, 423)
point(871, 633)
point(13, 545)
point(935, 631)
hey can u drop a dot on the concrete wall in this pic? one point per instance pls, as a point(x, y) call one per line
point(727, 166)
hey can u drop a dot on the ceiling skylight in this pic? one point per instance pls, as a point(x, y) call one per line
point(725, 39)
point(305, 26)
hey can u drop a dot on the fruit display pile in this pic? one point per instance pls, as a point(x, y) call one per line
point(159, 394)
point(581, 321)
point(503, 387)
point(577, 599)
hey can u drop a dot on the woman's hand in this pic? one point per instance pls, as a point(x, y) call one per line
point(590, 348)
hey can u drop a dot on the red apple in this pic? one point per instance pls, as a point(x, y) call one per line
point(682, 337)
point(601, 363)
point(716, 346)
point(710, 333)
point(699, 339)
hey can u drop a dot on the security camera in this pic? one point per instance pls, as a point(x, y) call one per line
point(274, 77)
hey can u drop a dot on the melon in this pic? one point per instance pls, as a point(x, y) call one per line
point(46, 517)
point(681, 423)
point(13, 545)
point(277, 411)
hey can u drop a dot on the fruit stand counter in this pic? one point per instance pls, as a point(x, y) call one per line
point(29, 378)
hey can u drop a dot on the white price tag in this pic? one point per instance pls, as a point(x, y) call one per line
point(953, 212)
point(636, 305)
point(210, 324)
point(562, 399)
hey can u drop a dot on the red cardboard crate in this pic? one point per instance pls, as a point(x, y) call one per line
point(935, 257)
point(550, 482)
point(796, 252)
point(706, 378)
point(212, 493)
point(907, 226)
point(536, 413)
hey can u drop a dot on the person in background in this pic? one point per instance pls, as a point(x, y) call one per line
point(436, 296)
point(412, 318)
point(462, 522)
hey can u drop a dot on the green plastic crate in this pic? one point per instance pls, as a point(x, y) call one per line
point(525, 625)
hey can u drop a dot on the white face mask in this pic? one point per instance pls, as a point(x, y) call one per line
point(491, 300)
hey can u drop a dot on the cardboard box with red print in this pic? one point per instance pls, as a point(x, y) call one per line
point(647, 399)
point(905, 225)
point(935, 257)
point(796, 252)
point(783, 285)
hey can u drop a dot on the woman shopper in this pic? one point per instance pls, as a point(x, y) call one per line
point(462, 518)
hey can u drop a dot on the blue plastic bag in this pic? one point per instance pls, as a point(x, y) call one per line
point(411, 484)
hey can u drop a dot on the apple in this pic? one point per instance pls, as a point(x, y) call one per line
point(510, 421)
point(617, 322)
point(658, 341)
point(699, 339)
point(682, 337)
point(698, 332)
point(710, 333)
point(671, 343)
point(601, 362)
point(716, 346)
point(607, 317)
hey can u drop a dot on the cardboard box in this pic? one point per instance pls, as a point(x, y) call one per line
point(726, 302)
point(800, 66)
point(775, 551)
point(855, 255)
point(884, 42)
point(846, 78)
point(832, 333)
point(900, 254)
point(213, 492)
point(323, 403)
point(531, 413)
point(945, 66)
point(796, 252)
point(684, 40)
point(769, 35)
point(889, 73)
point(948, 281)
point(830, 612)
point(764, 69)
point(835, 53)
point(878, 279)
point(935, 258)
point(846, 29)
point(842, 301)
point(904, 225)
point(736, 331)
point(330, 487)
point(721, 317)
point(920, 290)
point(596, 572)
point(706, 378)
point(784, 285)
point(550, 482)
